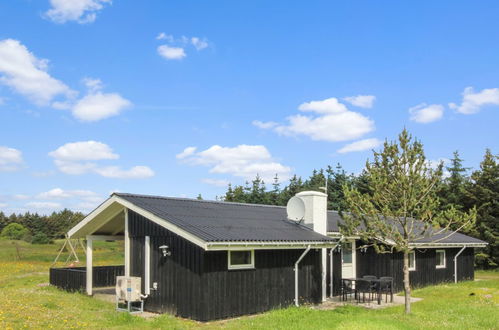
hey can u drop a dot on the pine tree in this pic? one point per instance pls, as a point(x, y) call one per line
point(273, 197)
point(483, 193)
point(452, 192)
point(403, 194)
point(337, 178)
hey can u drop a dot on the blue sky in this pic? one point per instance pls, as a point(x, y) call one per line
point(180, 97)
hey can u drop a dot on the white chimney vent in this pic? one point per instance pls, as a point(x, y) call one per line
point(315, 210)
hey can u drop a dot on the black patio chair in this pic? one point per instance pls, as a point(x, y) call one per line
point(386, 287)
point(374, 285)
point(346, 289)
point(362, 286)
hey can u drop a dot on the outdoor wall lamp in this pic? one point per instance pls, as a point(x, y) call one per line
point(164, 250)
point(363, 249)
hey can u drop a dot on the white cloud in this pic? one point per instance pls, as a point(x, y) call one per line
point(171, 53)
point(327, 106)
point(93, 84)
point(3, 205)
point(216, 182)
point(164, 36)
point(81, 11)
point(27, 75)
point(336, 127)
point(58, 193)
point(361, 101)
point(44, 205)
point(187, 152)
point(264, 125)
point(2, 101)
point(473, 102)
point(244, 161)
point(136, 172)
point(366, 144)
point(198, 43)
point(332, 122)
point(10, 159)
point(97, 106)
point(84, 150)
point(21, 197)
point(175, 48)
point(424, 113)
point(80, 157)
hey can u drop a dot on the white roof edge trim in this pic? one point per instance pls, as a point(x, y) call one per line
point(429, 244)
point(217, 246)
point(437, 245)
point(91, 216)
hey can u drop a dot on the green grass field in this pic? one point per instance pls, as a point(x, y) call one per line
point(26, 302)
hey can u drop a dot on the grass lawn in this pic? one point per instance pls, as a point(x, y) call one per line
point(25, 301)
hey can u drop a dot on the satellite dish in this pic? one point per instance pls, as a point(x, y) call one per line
point(295, 209)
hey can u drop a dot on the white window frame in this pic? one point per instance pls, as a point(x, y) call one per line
point(414, 266)
point(245, 266)
point(445, 260)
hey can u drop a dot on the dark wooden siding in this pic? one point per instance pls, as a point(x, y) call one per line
point(336, 273)
point(426, 273)
point(75, 278)
point(229, 293)
point(178, 276)
point(196, 284)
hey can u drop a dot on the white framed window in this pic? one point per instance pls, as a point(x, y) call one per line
point(244, 259)
point(412, 261)
point(440, 259)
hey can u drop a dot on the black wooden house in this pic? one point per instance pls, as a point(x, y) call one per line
point(209, 260)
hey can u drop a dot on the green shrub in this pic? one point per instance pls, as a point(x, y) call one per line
point(40, 238)
point(14, 231)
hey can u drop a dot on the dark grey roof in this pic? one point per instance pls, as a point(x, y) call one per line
point(221, 221)
point(334, 219)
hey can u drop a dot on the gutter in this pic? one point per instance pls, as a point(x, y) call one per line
point(455, 263)
point(296, 273)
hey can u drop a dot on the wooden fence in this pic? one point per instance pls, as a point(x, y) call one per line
point(74, 278)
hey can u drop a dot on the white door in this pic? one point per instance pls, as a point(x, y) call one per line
point(348, 260)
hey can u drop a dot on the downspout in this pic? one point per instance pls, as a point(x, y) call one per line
point(296, 273)
point(455, 263)
point(331, 272)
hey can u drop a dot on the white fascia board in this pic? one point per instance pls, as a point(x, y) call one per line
point(444, 245)
point(235, 246)
point(91, 216)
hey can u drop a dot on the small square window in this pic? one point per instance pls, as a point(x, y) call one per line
point(440, 259)
point(241, 259)
point(412, 260)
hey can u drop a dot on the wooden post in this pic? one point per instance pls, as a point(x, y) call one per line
point(147, 265)
point(89, 266)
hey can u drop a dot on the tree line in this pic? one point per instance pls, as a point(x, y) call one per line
point(36, 228)
point(460, 188)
